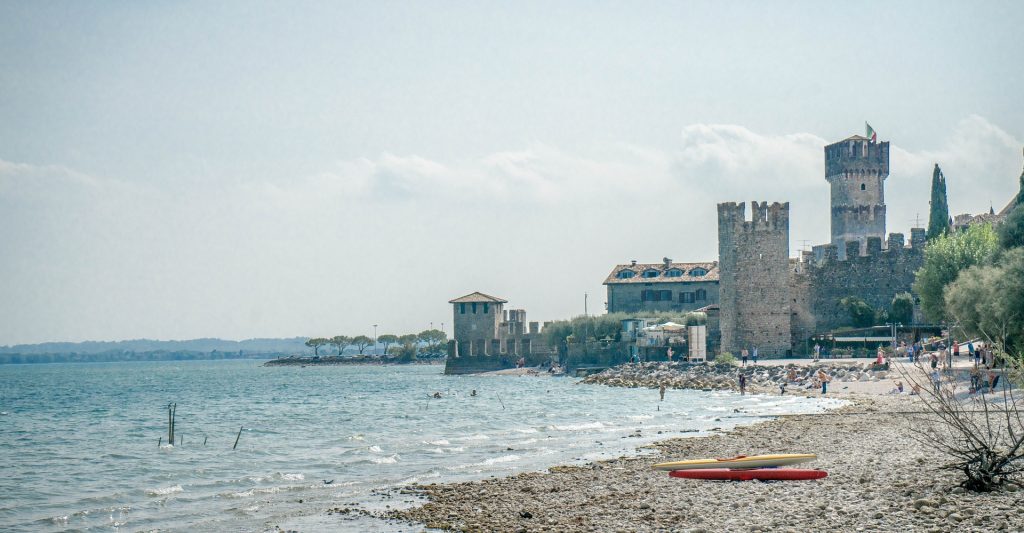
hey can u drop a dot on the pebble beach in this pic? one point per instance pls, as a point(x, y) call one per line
point(880, 479)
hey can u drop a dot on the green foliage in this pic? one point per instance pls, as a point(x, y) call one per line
point(315, 343)
point(944, 258)
point(725, 358)
point(1011, 231)
point(987, 301)
point(361, 342)
point(340, 342)
point(434, 343)
point(862, 315)
point(387, 340)
point(597, 327)
point(938, 216)
point(405, 353)
point(901, 310)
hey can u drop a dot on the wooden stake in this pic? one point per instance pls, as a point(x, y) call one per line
point(236, 438)
point(160, 442)
point(204, 440)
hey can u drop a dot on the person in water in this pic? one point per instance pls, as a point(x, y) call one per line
point(661, 391)
point(743, 384)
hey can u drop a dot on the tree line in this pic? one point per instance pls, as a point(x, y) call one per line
point(430, 343)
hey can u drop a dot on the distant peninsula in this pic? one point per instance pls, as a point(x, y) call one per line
point(151, 350)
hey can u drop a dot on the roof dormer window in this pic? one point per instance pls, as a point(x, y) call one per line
point(673, 273)
point(698, 272)
point(650, 273)
point(626, 274)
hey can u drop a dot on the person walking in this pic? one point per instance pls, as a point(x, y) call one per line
point(743, 384)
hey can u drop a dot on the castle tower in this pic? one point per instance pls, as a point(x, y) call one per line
point(754, 278)
point(856, 168)
point(476, 322)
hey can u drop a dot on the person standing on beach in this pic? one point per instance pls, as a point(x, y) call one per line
point(743, 356)
point(743, 384)
point(661, 391)
point(823, 377)
point(817, 352)
point(935, 361)
point(754, 355)
point(935, 379)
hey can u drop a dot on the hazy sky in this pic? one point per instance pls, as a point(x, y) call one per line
point(175, 170)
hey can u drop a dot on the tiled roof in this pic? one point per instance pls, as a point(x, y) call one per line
point(855, 138)
point(478, 297)
point(640, 268)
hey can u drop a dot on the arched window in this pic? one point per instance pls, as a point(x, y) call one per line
point(698, 272)
point(651, 273)
point(862, 186)
point(626, 274)
point(673, 273)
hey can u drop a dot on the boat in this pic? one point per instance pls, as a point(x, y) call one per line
point(740, 461)
point(761, 474)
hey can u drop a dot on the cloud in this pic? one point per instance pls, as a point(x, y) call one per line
point(391, 238)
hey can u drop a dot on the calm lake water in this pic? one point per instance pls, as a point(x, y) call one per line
point(78, 442)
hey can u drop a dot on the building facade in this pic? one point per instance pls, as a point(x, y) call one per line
point(665, 286)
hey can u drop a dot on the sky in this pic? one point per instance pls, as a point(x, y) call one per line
point(174, 170)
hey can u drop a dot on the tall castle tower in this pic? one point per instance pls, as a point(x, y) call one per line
point(754, 278)
point(856, 168)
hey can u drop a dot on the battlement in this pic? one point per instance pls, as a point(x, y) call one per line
point(855, 158)
point(872, 249)
point(764, 216)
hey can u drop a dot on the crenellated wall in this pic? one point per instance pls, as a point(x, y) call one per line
point(754, 271)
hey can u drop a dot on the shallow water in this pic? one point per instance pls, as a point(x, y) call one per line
point(79, 441)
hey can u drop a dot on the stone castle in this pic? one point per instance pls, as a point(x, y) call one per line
point(776, 303)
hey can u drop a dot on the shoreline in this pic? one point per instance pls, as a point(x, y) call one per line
point(879, 480)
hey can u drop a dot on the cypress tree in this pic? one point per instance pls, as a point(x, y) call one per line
point(938, 217)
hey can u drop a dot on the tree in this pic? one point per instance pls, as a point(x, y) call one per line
point(938, 216)
point(862, 315)
point(361, 342)
point(1011, 231)
point(340, 342)
point(901, 309)
point(387, 340)
point(434, 341)
point(944, 258)
point(315, 343)
point(406, 351)
point(987, 301)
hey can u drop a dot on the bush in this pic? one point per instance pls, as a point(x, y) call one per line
point(725, 358)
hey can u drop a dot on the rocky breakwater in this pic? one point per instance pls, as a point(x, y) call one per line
point(710, 376)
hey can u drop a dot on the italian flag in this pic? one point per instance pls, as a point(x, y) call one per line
point(870, 132)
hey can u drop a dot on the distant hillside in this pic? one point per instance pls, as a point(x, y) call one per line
point(151, 350)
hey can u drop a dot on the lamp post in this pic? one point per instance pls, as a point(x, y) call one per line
point(375, 339)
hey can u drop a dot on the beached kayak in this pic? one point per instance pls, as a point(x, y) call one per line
point(740, 461)
point(764, 474)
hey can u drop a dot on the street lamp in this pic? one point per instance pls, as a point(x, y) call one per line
point(375, 339)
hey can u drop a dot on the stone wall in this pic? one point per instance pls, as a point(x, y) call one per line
point(754, 272)
point(856, 169)
point(475, 325)
point(875, 277)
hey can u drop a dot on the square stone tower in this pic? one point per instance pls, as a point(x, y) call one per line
point(754, 278)
point(856, 169)
point(477, 319)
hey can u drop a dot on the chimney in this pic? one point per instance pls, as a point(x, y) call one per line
point(633, 262)
point(667, 261)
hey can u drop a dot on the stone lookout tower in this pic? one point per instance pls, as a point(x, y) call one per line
point(856, 168)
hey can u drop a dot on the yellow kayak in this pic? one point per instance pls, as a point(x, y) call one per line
point(740, 461)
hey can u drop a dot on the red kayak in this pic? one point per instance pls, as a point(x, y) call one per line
point(765, 474)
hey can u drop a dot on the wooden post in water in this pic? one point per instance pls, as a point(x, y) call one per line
point(160, 441)
point(204, 440)
point(238, 437)
point(181, 441)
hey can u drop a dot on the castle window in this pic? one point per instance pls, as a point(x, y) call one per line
point(686, 297)
point(674, 273)
point(462, 308)
point(474, 308)
point(698, 272)
point(626, 274)
point(486, 307)
point(650, 273)
point(701, 295)
point(862, 186)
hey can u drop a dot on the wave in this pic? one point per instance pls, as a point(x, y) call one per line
point(576, 427)
point(439, 442)
point(374, 448)
point(164, 491)
point(526, 430)
point(478, 436)
point(391, 459)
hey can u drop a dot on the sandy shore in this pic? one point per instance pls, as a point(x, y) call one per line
point(879, 480)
